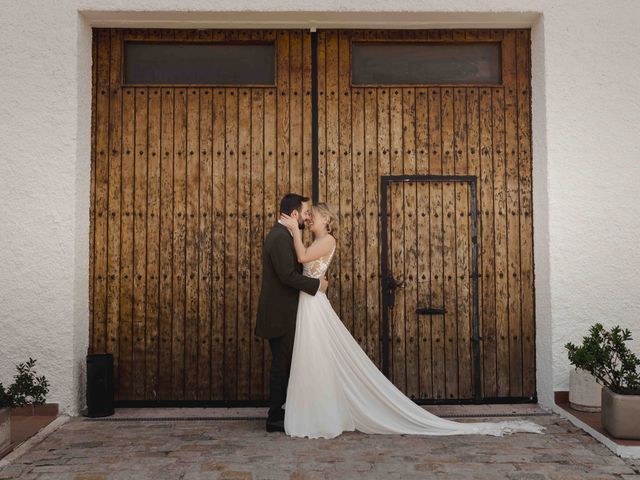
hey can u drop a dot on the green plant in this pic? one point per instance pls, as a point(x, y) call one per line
point(605, 355)
point(5, 399)
point(27, 388)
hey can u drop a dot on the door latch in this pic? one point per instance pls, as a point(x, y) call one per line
point(431, 311)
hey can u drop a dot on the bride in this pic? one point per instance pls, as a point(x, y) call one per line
point(333, 385)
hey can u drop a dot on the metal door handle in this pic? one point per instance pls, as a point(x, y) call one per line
point(392, 283)
point(431, 311)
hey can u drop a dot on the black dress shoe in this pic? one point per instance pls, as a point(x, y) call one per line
point(275, 425)
point(273, 416)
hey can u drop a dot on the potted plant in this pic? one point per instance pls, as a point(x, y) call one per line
point(5, 419)
point(585, 393)
point(606, 356)
point(27, 390)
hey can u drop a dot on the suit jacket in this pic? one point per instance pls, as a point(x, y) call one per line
point(282, 279)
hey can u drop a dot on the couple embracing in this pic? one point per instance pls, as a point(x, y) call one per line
point(321, 381)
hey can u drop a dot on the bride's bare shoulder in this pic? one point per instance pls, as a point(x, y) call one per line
point(326, 244)
point(329, 240)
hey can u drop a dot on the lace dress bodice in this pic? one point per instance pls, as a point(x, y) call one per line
point(317, 268)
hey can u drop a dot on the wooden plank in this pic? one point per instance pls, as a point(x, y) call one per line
point(384, 168)
point(396, 194)
point(125, 349)
point(410, 247)
point(179, 241)
point(500, 232)
point(437, 244)
point(140, 243)
point(153, 244)
point(166, 247)
point(205, 246)
point(462, 248)
point(512, 212)
point(283, 125)
point(422, 131)
point(218, 175)
point(257, 221)
point(296, 117)
point(295, 95)
point(307, 102)
point(115, 220)
point(323, 122)
point(473, 160)
point(449, 242)
point(425, 380)
point(102, 193)
point(191, 274)
point(359, 205)
point(523, 54)
point(243, 239)
point(345, 240)
point(244, 243)
point(92, 187)
point(333, 163)
point(307, 168)
point(231, 247)
point(486, 247)
point(372, 232)
point(271, 199)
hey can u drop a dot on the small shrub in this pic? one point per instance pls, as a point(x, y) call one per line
point(27, 388)
point(5, 399)
point(605, 355)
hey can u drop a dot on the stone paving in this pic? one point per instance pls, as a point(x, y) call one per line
point(85, 449)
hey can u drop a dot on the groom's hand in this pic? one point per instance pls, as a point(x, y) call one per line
point(323, 284)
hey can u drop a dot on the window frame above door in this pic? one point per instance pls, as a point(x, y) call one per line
point(127, 37)
point(499, 41)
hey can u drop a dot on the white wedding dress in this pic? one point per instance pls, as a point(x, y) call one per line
point(334, 386)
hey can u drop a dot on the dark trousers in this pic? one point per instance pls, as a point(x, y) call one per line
point(281, 352)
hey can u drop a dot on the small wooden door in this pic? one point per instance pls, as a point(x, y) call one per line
point(185, 181)
point(430, 324)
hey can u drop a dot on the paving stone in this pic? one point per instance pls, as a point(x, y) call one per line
point(11, 471)
point(241, 450)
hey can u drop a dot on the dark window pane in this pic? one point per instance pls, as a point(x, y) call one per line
point(199, 63)
point(425, 63)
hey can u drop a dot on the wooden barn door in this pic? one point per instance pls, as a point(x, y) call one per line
point(185, 180)
point(372, 128)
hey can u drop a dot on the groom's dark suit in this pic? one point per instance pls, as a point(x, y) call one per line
point(282, 279)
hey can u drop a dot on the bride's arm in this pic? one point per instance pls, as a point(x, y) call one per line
point(316, 250)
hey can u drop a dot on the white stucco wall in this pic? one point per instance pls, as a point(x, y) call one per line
point(586, 112)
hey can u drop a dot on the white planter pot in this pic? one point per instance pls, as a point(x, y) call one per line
point(621, 415)
point(5, 428)
point(585, 393)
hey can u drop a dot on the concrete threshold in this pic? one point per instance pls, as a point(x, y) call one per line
point(260, 413)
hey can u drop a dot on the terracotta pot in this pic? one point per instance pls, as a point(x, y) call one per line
point(5, 428)
point(585, 393)
point(621, 414)
point(47, 409)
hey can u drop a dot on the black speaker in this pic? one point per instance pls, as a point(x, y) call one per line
point(100, 385)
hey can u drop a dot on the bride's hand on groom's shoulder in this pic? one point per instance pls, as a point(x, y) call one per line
point(289, 222)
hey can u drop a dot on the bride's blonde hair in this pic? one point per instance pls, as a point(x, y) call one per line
point(332, 219)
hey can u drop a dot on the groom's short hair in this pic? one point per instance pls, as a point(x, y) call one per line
point(291, 202)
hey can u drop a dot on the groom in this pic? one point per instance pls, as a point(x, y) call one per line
point(282, 279)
